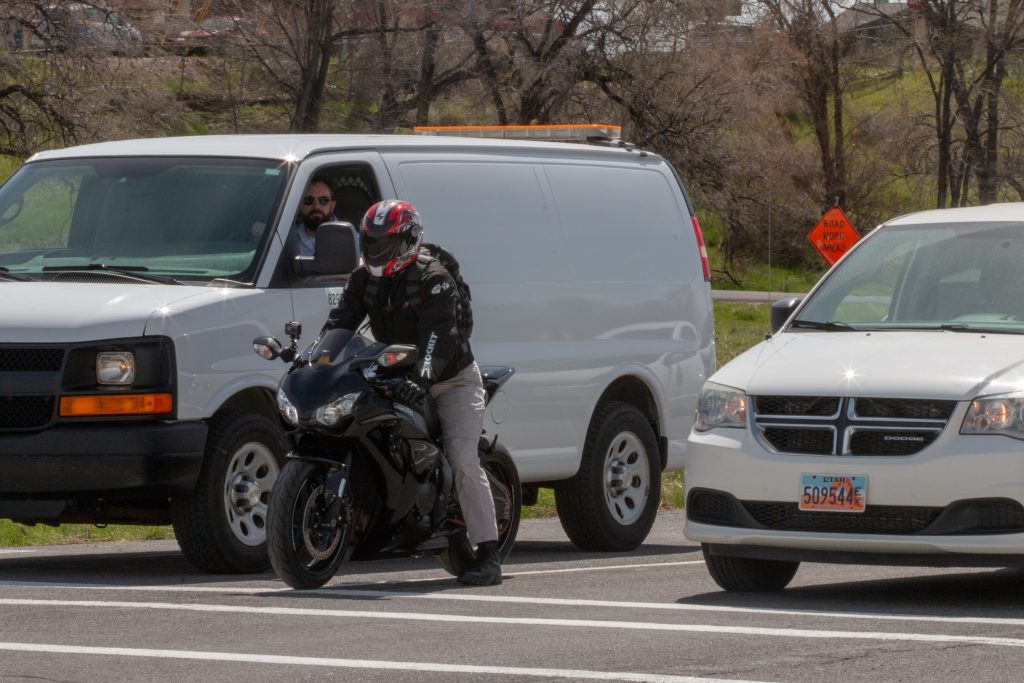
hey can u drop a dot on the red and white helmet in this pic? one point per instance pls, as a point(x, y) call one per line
point(389, 237)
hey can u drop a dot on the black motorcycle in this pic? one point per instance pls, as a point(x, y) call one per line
point(367, 477)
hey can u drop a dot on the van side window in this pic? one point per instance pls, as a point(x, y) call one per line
point(354, 189)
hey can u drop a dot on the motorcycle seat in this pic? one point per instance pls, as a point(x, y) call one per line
point(493, 377)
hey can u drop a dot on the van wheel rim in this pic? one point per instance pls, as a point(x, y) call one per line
point(251, 474)
point(627, 478)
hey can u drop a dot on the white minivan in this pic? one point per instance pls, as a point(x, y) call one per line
point(135, 275)
point(883, 421)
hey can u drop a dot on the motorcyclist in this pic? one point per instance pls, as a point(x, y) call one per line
point(390, 236)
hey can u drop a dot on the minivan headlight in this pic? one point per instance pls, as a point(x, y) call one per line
point(720, 406)
point(289, 412)
point(329, 414)
point(996, 415)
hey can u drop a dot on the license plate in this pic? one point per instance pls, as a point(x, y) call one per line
point(833, 492)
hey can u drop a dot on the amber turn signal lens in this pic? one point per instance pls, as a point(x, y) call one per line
point(132, 404)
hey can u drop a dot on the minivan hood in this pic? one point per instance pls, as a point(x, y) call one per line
point(59, 312)
point(920, 364)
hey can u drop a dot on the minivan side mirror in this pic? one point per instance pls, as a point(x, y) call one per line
point(781, 310)
point(336, 251)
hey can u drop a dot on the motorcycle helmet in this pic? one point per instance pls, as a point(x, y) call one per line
point(389, 237)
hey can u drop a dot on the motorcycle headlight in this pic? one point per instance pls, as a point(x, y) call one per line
point(996, 415)
point(289, 412)
point(720, 406)
point(329, 414)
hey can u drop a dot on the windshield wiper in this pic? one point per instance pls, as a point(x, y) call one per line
point(831, 325)
point(129, 271)
point(6, 274)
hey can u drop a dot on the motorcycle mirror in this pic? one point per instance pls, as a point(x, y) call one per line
point(267, 347)
point(397, 355)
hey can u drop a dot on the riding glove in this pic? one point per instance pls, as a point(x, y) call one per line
point(410, 393)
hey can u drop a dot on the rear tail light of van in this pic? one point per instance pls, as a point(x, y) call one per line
point(704, 263)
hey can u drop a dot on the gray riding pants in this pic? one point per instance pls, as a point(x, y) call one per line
point(460, 406)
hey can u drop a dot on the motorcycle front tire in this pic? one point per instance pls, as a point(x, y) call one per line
point(305, 548)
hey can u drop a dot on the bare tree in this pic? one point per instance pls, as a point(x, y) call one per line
point(810, 30)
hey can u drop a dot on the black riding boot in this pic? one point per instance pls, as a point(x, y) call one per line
point(487, 570)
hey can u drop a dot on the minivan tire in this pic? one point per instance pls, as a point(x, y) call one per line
point(221, 526)
point(749, 575)
point(611, 502)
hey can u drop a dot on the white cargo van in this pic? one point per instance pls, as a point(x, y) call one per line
point(135, 274)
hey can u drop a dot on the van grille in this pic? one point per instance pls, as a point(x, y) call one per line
point(25, 412)
point(31, 360)
point(813, 425)
point(22, 371)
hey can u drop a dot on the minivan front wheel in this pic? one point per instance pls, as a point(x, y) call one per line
point(611, 502)
point(749, 575)
point(222, 526)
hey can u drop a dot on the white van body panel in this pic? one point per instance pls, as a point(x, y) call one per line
point(212, 336)
point(45, 312)
point(576, 314)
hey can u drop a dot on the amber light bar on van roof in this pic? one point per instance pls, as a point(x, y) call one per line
point(573, 132)
point(124, 404)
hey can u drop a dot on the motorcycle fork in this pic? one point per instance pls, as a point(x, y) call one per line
point(335, 484)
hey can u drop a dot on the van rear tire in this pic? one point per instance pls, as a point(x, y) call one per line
point(611, 502)
point(221, 526)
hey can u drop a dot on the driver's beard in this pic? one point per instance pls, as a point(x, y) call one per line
point(313, 219)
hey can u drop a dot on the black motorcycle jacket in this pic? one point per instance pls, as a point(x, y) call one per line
point(429, 324)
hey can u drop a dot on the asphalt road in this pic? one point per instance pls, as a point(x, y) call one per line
point(138, 611)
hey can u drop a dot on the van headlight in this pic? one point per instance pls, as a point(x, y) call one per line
point(115, 367)
point(329, 414)
point(996, 415)
point(720, 406)
point(289, 412)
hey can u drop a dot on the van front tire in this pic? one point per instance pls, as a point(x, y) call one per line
point(221, 526)
point(611, 502)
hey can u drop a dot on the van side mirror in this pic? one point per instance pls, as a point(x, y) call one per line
point(781, 310)
point(336, 251)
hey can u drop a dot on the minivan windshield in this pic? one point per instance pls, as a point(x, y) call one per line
point(179, 219)
point(954, 276)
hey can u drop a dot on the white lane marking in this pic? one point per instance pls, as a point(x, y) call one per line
point(274, 591)
point(357, 663)
point(528, 621)
point(15, 551)
point(569, 570)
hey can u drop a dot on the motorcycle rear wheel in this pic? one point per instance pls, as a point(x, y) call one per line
point(305, 547)
point(508, 502)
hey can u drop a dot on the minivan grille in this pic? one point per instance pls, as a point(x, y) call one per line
point(814, 425)
point(963, 517)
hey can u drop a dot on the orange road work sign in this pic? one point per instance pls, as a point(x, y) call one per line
point(833, 235)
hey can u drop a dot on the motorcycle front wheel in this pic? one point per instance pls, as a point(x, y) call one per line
point(305, 541)
point(508, 501)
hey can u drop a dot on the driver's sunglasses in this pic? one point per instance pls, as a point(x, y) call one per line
point(322, 201)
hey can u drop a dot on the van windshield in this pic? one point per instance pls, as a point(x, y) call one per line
point(190, 219)
point(955, 276)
